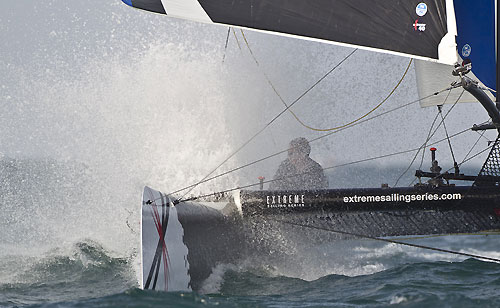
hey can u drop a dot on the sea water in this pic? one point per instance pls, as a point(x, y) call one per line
point(98, 100)
point(363, 274)
point(47, 260)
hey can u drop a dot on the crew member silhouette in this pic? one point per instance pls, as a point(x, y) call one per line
point(299, 171)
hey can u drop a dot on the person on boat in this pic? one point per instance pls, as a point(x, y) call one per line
point(299, 171)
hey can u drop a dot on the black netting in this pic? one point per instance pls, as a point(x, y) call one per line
point(397, 223)
point(490, 172)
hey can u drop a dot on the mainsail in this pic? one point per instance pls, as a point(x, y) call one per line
point(423, 30)
point(432, 30)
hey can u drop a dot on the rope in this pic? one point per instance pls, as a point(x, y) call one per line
point(204, 179)
point(310, 141)
point(387, 240)
point(262, 129)
point(327, 168)
point(236, 38)
point(324, 129)
point(266, 126)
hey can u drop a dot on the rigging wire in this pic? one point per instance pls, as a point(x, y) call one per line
point(310, 141)
point(466, 160)
point(219, 193)
point(430, 130)
point(466, 156)
point(293, 113)
point(266, 126)
point(225, 47)
point(427, 140)
point(489, 141)
point(327, 168)
point(416, 154)
point(386, 240)
point(274, 119)
point(474, 145)
point(447, 137)
point(473, 156)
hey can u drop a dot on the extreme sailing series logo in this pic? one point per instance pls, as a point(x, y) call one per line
point(285, 201)
point(402, 198)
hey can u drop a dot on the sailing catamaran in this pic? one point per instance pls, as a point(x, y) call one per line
point(183, 239)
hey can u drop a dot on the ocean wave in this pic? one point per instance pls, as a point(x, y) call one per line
point(140, 298)
point(82, 270)
point(425, 282)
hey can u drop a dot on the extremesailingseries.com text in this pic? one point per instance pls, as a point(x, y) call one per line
point(302, 200)
point(402, 198)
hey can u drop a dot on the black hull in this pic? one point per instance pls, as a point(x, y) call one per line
point(260, 222)
point(211, 237)
point(383, 211)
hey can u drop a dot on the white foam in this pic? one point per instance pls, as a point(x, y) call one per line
point(397, 300)
point(214, 282)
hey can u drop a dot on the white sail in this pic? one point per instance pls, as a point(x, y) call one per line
point(434, 77)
